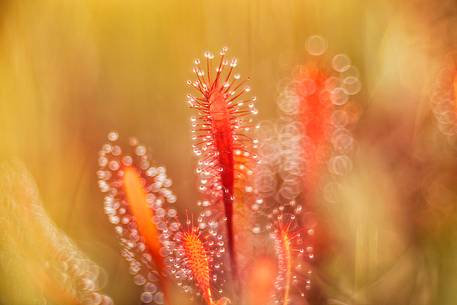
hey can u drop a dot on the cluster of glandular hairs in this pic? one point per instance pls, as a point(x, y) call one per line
point(195, 257)
point(444, 100)
point(61, 271)
point(311, 139)
point(223, 142)
point(313, 132)
point(293, 251)
point(153, 240)
point(136, 203)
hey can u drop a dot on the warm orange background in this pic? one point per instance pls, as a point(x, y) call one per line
point(70, 71)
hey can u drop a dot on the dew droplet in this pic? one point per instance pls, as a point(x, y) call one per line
point(316, 45)
point(113, 136)
point(341, 62)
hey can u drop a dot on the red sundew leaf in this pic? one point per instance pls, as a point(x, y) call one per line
point(317, 110)
point(293, 253)
point(317, 113)
point(136, 197)
point(195, 257)
point(136, 201)
point(221, 131)
point(315, 116)
point(314, 139)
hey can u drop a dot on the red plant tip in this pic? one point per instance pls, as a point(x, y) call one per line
point(195, 256)
point(314, 112)
point(293, 252)
point(136, 198)
point(317, 111)
point(136, 195)
point(284, 254)
point(197, 260)
point(221, 133)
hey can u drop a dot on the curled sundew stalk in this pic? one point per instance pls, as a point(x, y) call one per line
point(36, 250)
point(221, 131)
point(136, 203)
point(195, 257)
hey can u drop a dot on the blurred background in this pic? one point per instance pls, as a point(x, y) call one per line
point(71, 71)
